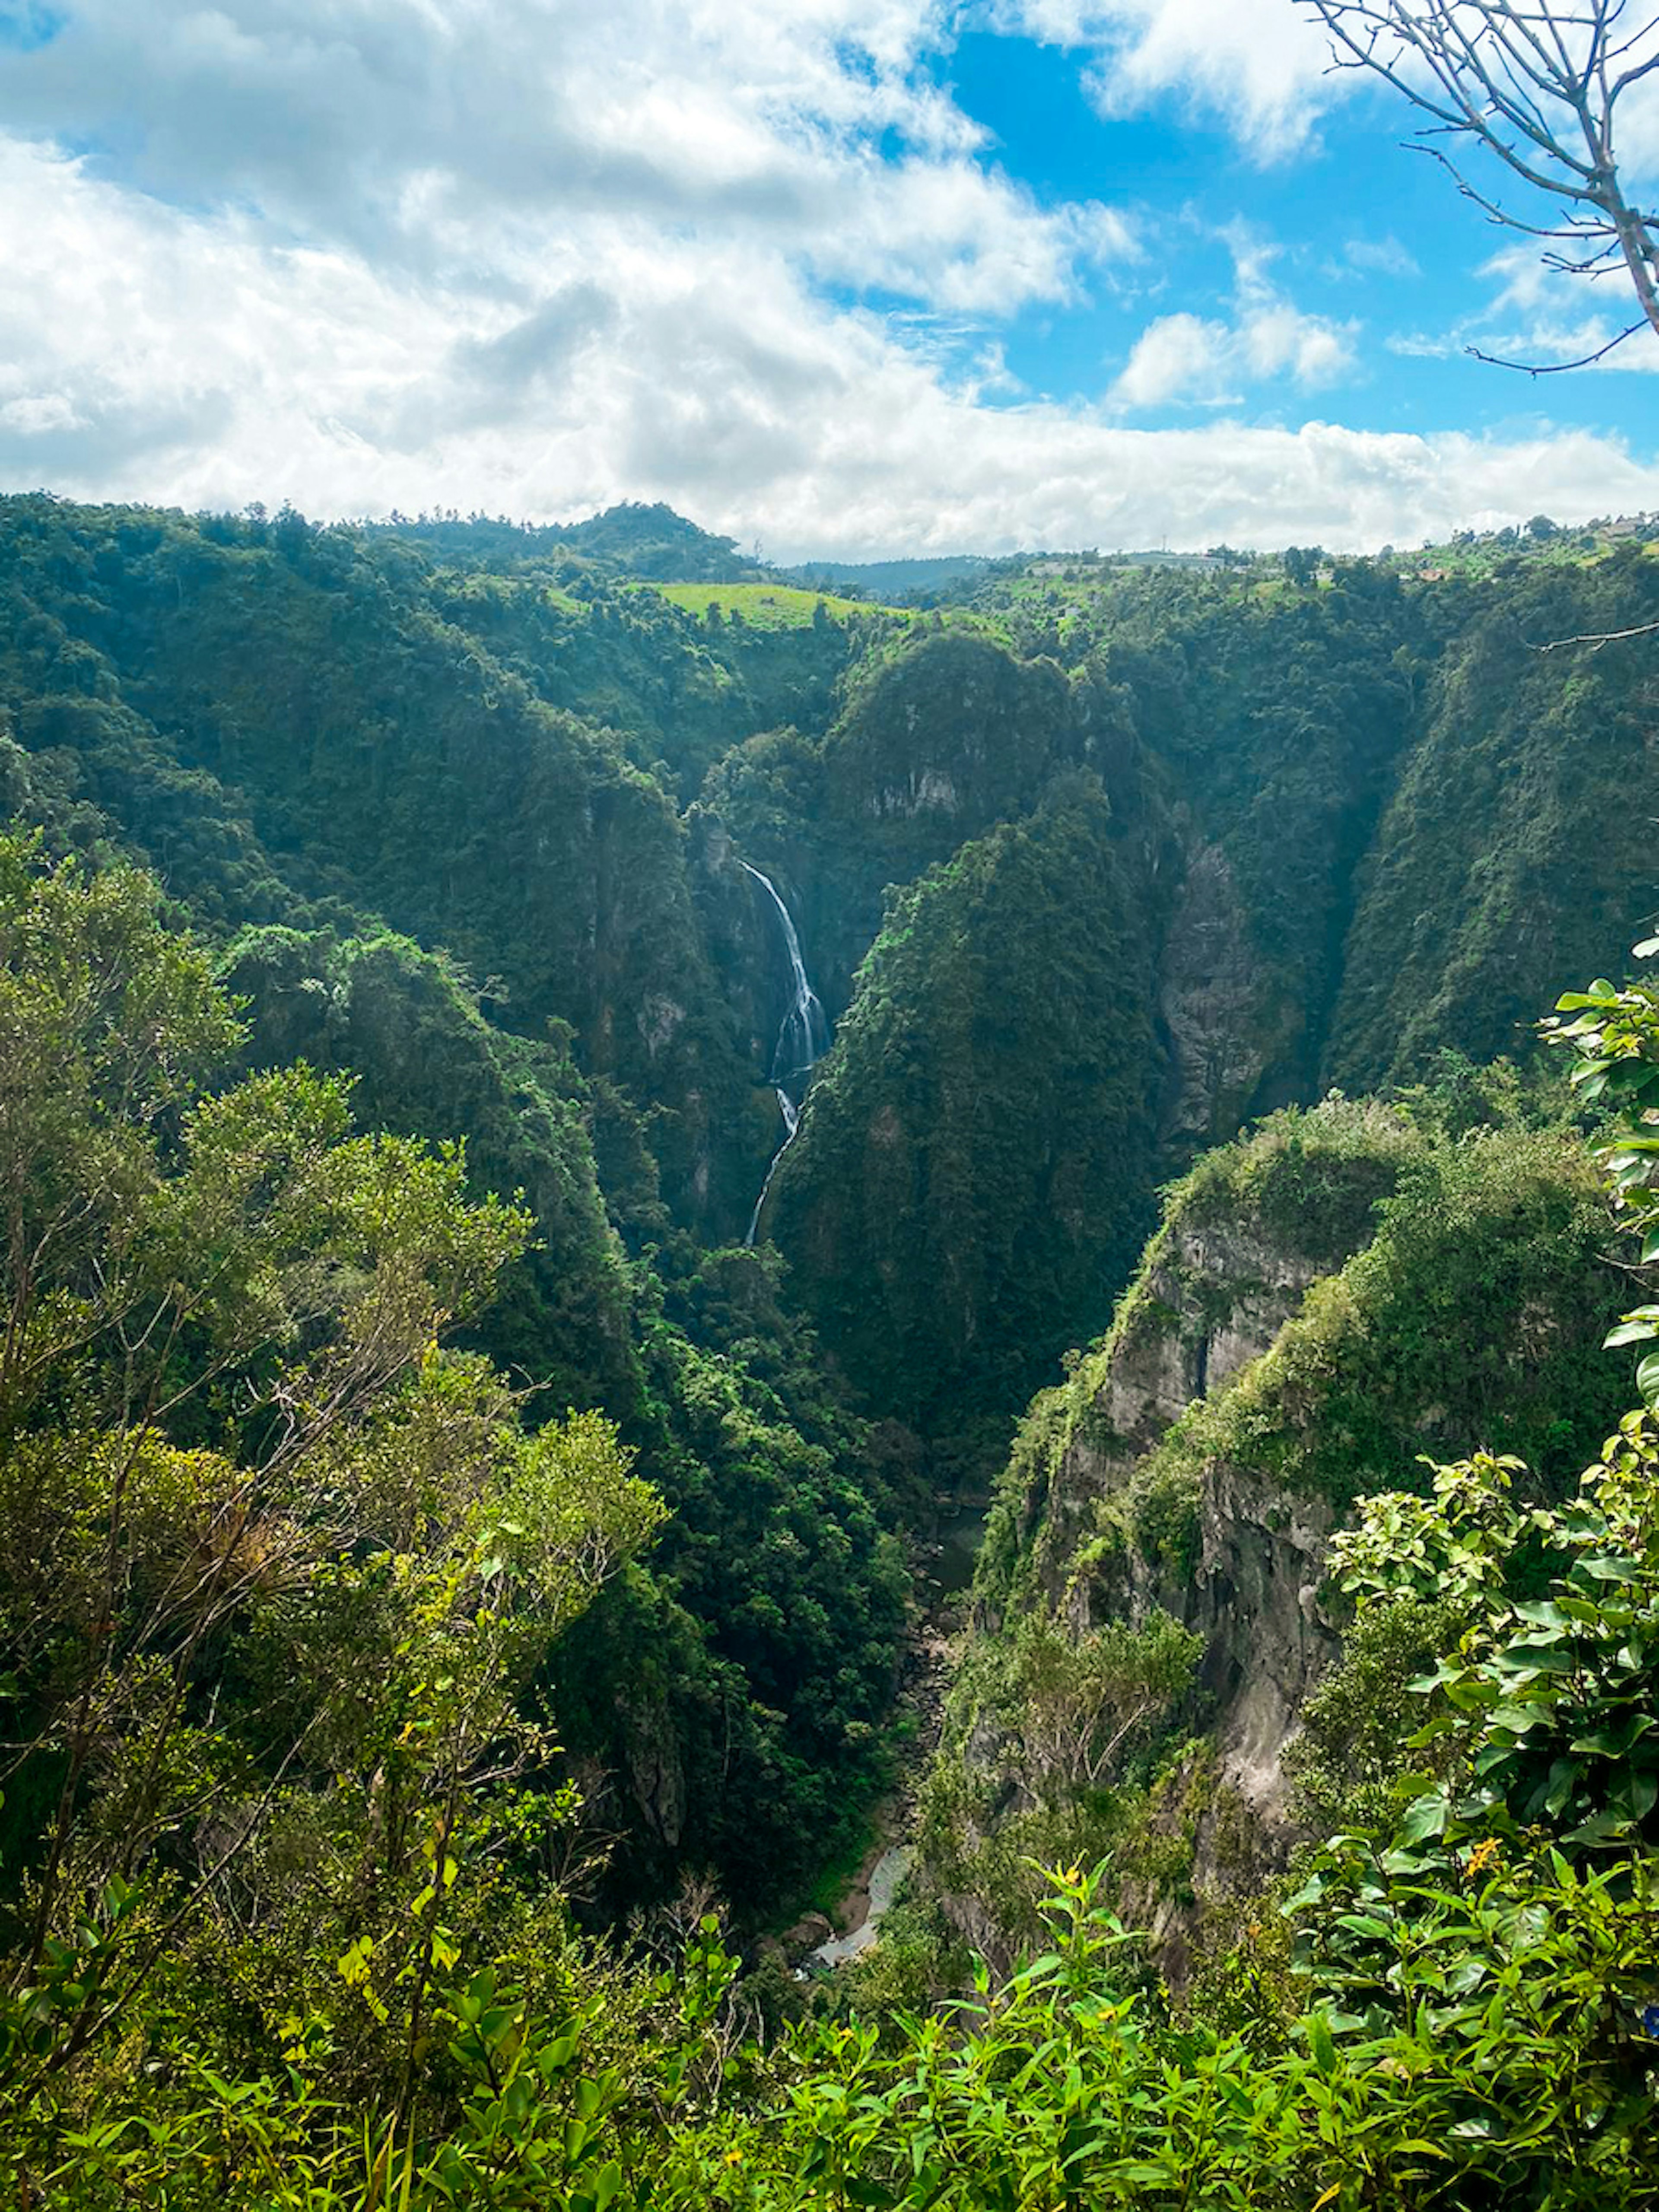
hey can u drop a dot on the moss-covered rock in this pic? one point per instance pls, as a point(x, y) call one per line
point(1326, 1301)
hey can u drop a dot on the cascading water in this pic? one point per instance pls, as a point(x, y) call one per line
point(803, 1040)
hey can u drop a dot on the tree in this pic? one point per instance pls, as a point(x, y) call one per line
point(1537, 85)
point(278, 1571)
point(1613, 1036)
point(1302, 562)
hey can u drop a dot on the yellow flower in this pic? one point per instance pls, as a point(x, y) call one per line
point(1483, 1856)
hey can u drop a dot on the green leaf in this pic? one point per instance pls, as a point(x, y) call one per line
point(1364, 1923)
point(1533, 1655)
point(1425, 1817)
point(1599, 994)
point(1542, 1614)
point(1561, 1780)
point(1610, 1567)
point(1518, 1720)
point(607, 2184)
point(1604, 1743)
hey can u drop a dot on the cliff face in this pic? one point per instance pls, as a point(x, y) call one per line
point(1224, 1031)
point(1330, 831)
point(976, 1152)
point(1149, 1616)
point(1247, 1582)
point(1347, 829)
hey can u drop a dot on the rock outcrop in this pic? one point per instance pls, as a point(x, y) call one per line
point(1213, 1002)
point(1107, 1523)
point(1327, 1301)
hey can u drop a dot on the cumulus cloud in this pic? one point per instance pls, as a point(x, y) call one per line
point(190, 358)
point(532, 257)
point(1193, 359)
point(1180, 357)
point(1259, 63)
point(480, 132)
point(1263, 66)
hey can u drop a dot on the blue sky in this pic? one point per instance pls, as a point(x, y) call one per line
point(843, 276)
point(1355, 229)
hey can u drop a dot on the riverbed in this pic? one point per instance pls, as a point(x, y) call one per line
point(944, 1575)
point(886, 1878)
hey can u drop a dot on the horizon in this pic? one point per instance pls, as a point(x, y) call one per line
point(748, 548)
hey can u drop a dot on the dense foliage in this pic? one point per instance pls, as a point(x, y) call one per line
point(1354, 819)
point(1328, 1302)
point(1466, 2017)
point(403, 1582)
point(300, 790)
point(1001, 992)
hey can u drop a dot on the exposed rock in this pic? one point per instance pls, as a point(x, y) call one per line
point(659, 1019)
point(1212, 1298)
point(656, 1777)
point(1221, 1035)
point(799, 1941)
point(1218, 1286)
point(1216, 1296)
point(1254, 1599)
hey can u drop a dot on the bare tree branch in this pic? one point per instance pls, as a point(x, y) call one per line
point(1532, 86)
point(1597, 639)
point(1557, 367)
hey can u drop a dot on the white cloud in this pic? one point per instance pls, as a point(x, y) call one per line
point(1279, 340)
point(1259, 63)
point(1263, 66)
point(35, 413)
point(1194, 359)
point(1178, 357)
point(1381, 256)
point(532, 257)
point(205, 366)
point(475, 134)
point(1420, 345)
point(1544, 318)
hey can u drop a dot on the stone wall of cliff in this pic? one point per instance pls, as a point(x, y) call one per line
point(1149, 1616)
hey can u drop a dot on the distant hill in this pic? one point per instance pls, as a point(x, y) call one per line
point(649, 542)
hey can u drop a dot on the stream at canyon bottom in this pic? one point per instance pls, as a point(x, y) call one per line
point(956, 1540)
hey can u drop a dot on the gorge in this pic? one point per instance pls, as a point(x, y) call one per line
point(1165, 1156)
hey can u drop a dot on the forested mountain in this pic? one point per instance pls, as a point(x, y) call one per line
point(1178, 848)
point(196, 696)
point(396, 910)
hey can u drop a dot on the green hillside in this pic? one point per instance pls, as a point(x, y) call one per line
point(1086, 871)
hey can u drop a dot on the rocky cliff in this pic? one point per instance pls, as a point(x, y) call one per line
point(1149, 1614)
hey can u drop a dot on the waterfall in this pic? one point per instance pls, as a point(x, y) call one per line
point(803, 1040)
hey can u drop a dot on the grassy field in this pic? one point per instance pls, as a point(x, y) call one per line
point(766, 607)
